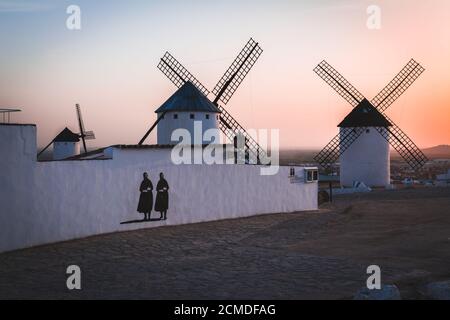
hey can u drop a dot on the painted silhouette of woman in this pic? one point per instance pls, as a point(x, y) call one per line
point(162, 197)
point(146, 198)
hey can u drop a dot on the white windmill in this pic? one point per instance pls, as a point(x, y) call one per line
point(362, 144)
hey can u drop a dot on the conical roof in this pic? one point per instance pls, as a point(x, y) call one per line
point(67, 136)
point(188, 98)
point(364, 115)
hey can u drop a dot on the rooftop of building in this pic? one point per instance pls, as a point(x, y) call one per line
point(365, 115)
point(188, 99)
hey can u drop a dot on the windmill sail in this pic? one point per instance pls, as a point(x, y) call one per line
point(178, 74)
point(339, 83)
point(402, 81)
point(89, 135)
point(337, 146)
point(231, 128)
point(406, 148)
point(236, 73)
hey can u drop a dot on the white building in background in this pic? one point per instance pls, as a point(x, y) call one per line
point(367, 160)
point(186, 106)
point(66, 145)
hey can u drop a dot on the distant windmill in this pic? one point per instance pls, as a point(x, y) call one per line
point(356, 126)
point(66, 142)
point(223, 91)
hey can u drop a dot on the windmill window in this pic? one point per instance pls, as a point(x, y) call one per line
point(192, 116)
point(311, 175)
point(207, 117)
point(292, 172)
point(175, 116)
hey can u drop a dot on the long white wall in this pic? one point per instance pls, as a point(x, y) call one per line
point(55, 201)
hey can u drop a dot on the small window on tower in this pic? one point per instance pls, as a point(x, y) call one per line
point(311, 175)
point(175, 116)
point(192, 116)
point(207, 117)
point(292, 172)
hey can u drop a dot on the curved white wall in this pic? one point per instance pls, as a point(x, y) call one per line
point(45, 202)
point(167, 125)
point(366, 160)
point(63, 150)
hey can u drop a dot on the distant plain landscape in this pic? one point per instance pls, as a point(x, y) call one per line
point(295, 156)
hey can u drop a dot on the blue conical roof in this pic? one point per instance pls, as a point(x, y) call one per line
point(188, 98)
point(67, 136)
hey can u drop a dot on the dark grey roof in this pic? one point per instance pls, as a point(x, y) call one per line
point(67, 136)
point(365, 115)
point(188, 98)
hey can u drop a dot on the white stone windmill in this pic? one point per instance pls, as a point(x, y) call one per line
point(190, 102)
point(362, 144)
point(66, 143)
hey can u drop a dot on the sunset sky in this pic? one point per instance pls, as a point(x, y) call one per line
point(109, 66)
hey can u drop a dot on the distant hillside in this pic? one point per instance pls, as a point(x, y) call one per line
point(442, 151)
point(438, 152)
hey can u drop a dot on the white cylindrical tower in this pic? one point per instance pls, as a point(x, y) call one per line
point(65, 145)
point(366, 159)
point(189, 109)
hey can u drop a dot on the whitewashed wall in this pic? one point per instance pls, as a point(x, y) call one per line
point(366, 160)
point(64, 150)
point(167, 125)
point(55, 201)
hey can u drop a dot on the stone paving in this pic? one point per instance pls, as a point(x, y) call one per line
point(254, 258)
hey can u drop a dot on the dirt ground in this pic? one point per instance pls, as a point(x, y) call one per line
point(406, 232)
point(313, 255)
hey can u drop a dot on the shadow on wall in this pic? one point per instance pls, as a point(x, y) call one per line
point(145, 204)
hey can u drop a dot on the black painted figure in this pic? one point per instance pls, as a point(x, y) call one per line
point(162, 197)
point(146, 198)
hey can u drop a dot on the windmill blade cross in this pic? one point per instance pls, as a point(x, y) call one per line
point(402, 81)
point(236, 73)
point(339, 84)
point(178, 74)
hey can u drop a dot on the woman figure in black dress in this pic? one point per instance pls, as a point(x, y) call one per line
point(162, 197)
point(146, 198)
